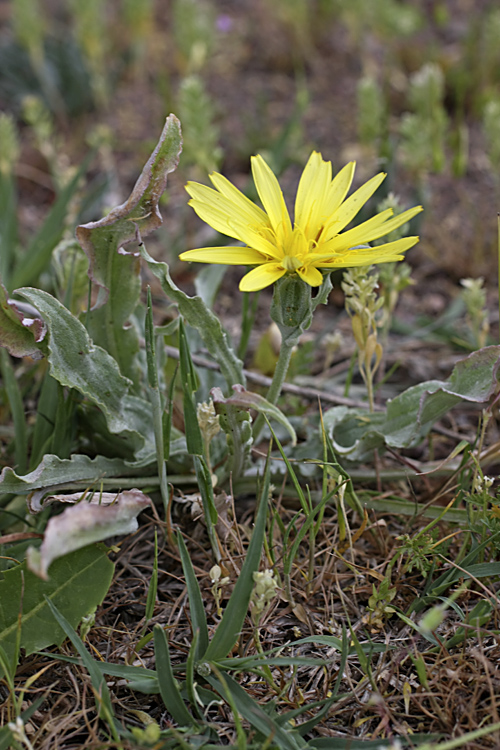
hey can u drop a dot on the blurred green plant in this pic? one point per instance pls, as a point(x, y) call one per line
point(200, 134)
point(389, 18)
point(491, 125)
point(91, 24)
point(9, 154)
point(371, 112)
point(194, 33)
point(423, 131)
point(139, 17)
point(474, 296)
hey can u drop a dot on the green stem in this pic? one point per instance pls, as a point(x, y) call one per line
point(265, 669)
point(369, 389)
point(157, 410)
point(276, 385)
point(155, 399)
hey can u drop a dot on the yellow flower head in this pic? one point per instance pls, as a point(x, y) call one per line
point(315, 241)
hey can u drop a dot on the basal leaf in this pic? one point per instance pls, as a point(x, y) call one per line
point(79, 470)
point(253, 712)
point(75, 361)
point(411, 415)
point(79, 582)
point(169, 687)
point(99, 683)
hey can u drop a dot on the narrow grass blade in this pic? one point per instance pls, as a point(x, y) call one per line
point(153, 587)
point(96, 676)
point(451, 575)
point(8, 225)
point(308, 726)
point(157, 410)
point(167, 418)
point(190, 675)
point(196, 606)
point(236, 610)
point(189, 381)
point(204, 479)
point(240, 733)
point(124, 671)
point(258, 718)
point(15, 401)
point(199, 316)
point(296, 483)
point(169, 687)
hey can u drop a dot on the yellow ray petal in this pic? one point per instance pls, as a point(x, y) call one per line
point(310, 275)
point(370, 230)
point(245, 213)
point(243, 204)
point(271, 196)
point(231, 256)
point(262, 276)
point(358, 235)
point(339, 188)
point(311, 194)
point(348, 210)
point(365, 256)
point(218, 219)
point(230, 226)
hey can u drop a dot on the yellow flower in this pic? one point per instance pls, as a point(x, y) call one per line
point(315, 241)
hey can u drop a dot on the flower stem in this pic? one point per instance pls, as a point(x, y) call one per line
point(276, 384)
point(265, 669)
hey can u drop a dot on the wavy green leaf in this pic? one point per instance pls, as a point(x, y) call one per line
point(75, 472)
point(411, 415)
point(75, 361)
point(113, 269)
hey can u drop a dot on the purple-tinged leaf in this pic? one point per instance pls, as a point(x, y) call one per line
point(21, 327)
point(85, 523)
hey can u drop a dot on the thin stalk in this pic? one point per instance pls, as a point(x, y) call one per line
point(275, 388)
point(369, 389)
point(247, 320)
point(265, 669)
point(157, 410)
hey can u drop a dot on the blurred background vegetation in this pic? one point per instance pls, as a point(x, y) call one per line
point(412, 88)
